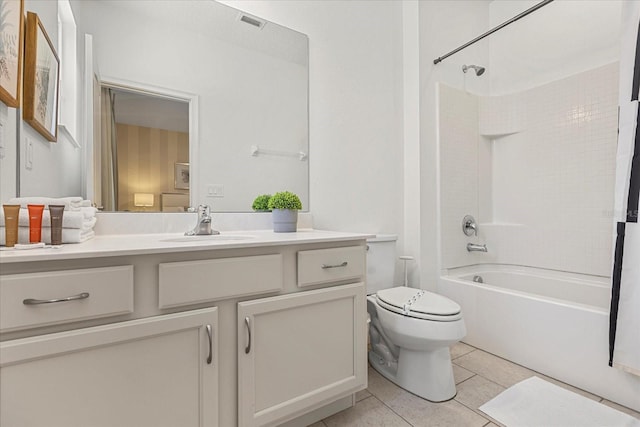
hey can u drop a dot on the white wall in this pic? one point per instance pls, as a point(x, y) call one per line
point(56, 169)
point(577, 36)
point(7, 152)
point(444, 26)
point(355, 57)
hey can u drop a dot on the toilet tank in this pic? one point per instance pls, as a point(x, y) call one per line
point(381, 261)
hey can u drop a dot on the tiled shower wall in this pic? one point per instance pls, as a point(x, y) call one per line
point(545, 163)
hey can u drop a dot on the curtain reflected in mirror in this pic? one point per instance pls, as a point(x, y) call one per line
point(144, 143)
point(109, 151)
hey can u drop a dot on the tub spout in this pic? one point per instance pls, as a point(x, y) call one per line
point(472, 247)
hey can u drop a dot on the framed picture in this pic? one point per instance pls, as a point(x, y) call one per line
point(11, 47)
point(181, 175)
point(41, 75)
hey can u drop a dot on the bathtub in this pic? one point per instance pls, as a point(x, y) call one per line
point(552, 322)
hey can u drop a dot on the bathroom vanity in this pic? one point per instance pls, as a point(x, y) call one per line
point(248, 329)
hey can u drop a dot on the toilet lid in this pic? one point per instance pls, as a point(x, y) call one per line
point(419, 304)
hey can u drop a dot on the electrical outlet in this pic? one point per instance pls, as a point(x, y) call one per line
point(215, 190)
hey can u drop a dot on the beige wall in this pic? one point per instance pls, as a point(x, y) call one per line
point(146, 160)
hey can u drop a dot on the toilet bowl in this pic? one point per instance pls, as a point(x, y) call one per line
point(410, 330)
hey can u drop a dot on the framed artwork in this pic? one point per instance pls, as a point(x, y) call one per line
point(41, 75)
point(11, 47)
point(181, 175)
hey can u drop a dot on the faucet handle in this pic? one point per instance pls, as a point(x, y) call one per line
point(469, 225)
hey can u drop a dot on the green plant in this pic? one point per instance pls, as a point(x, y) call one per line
point(261, 203)
point(285, 200)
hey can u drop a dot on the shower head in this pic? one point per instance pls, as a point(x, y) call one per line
point(479, 70)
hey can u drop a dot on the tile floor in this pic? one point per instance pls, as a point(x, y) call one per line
point(479, 376)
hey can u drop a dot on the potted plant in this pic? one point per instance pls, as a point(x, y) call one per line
point(284, 207)
point(261, 203)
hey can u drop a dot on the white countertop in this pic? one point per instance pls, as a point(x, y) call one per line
point(143, 244)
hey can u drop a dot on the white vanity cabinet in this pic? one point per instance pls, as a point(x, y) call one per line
point(161, 338)
point(156, 371)
point(298, 351)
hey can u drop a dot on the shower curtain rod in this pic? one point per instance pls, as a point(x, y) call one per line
point(493, 30)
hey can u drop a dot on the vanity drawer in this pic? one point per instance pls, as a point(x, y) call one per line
point(52, 297)
point(193, 282)
point(330, 265)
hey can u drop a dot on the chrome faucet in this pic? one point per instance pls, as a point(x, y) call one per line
point(203, 226)
point(472, 247)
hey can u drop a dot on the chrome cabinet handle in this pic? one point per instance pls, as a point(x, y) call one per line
point(209, 335)
point(247, 349)
point(325, 266)
point(31, 301)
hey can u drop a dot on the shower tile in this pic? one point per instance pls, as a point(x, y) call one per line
point(494, 368)
point(460, 349)
point(368, 412)
point(477, 391)
point(621, 408)
point(460, 374)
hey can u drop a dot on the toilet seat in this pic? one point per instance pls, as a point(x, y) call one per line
point(419, 304)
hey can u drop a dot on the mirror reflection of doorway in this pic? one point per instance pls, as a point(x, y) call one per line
point(144, 152)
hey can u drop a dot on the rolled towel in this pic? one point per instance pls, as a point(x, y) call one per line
point(85, 218)
point(70, 203)
point(69, 235)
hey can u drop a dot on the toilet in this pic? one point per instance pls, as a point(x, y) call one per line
point(410, 329)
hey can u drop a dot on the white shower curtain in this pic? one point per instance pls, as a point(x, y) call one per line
point(624, 325)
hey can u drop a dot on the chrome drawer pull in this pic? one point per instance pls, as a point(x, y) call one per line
point(325, 266)
point(209, 334)
point(247, 349)
point(31, 301)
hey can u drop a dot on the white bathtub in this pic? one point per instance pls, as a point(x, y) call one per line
point(552, 322)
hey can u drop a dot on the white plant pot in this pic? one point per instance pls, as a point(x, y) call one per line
point(285, 220)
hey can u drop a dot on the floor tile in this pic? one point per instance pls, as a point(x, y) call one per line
point(460, 349)
point(381, 387)
point(422, 413)
point(494, 368)
point(318, 424)
point(362, 394)
point(490, 424)
point(477, 391)
point(621, 408)
point(460, 374)
point(367, 412)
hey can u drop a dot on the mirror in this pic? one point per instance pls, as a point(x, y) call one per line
point(246, 82)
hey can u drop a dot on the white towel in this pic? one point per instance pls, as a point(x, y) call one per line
point(70, 203)
point(85, 218)
point(69, 235)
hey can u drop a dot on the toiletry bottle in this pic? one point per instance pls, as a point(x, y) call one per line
point(35, 223)
point(56, 212)
point(11, 213)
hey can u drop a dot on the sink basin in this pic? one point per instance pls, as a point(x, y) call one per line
point(209, 237)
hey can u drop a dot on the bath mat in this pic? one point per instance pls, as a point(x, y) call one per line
point(538, 403)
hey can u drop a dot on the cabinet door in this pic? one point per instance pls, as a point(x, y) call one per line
point(146, 372)
point(300, 351)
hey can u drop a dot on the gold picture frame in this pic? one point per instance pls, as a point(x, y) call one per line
point(181, 176)
point(41, 80)
point(11, 48)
